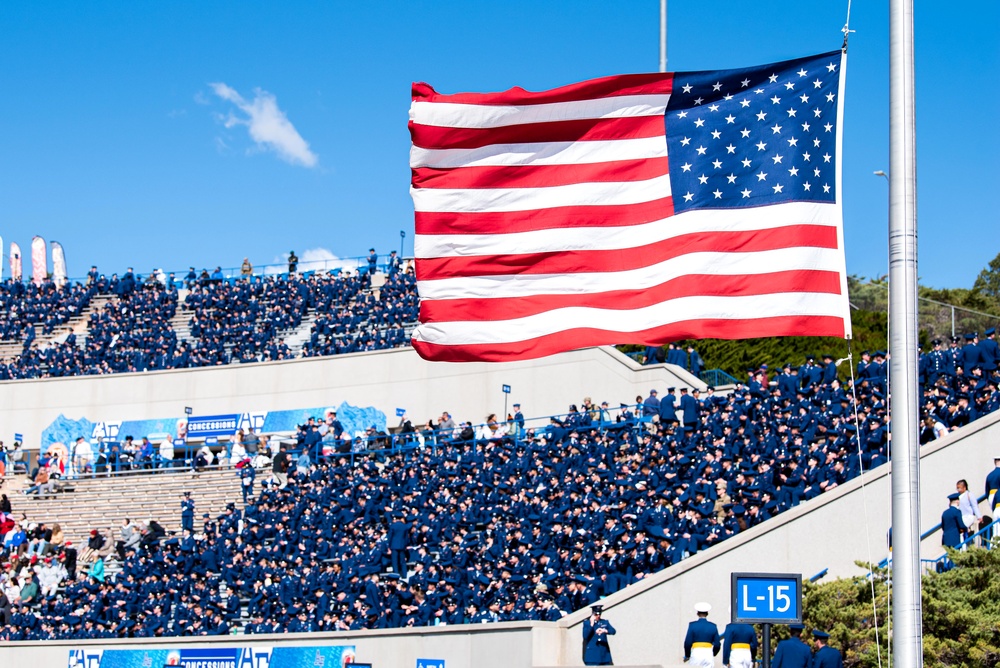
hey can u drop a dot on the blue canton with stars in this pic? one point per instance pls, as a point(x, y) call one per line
point(756, 136)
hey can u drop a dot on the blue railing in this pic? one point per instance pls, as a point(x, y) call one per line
point(983, 538)
point(819, 575)
point(717, 377)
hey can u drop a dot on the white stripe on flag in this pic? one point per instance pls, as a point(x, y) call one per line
point(487, 200)
point(671, 311)
point(541, 153)
point(635, 236)
point(457, 115)
point(722, 264)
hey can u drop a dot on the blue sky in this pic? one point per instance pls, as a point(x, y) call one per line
point(166, 134)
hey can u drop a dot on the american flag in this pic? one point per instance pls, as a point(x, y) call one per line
point(630, 209)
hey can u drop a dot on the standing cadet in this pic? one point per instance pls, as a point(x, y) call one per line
point(952, 526)
point(701, 643)
point(792, 653)
point(825, 656)
point(993, 484)
point(739, 646)
point(187, 513)
point(596, 651)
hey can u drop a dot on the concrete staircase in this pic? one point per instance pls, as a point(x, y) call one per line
point(104, 501)
point(12, 349)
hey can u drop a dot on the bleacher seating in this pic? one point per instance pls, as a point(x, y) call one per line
point(128, 324)
point(492, 524)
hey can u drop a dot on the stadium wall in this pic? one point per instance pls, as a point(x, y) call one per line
point(386, 380)
point(504, 645)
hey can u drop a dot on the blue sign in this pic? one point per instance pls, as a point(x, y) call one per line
point(400, 412)
point(213, 425)
point(767, 598)
point(430, 663)
point(19, 437)
point(506, 389)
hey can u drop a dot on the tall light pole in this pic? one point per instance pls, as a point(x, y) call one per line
point(907, 651)
point(663, 35)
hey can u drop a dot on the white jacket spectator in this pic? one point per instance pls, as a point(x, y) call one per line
point(166, 452)
point(237, 453)
point(50, 576)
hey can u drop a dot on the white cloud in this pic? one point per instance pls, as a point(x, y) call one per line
point(313, 259)
point(267, 125)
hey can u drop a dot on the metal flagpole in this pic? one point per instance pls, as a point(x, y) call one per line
point(663, 35)
point(908, 639)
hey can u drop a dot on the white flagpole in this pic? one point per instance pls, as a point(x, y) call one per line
point(663, 35)
point(908, 637)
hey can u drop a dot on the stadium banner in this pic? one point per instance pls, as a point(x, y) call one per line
point(15, 261)
point(62, 432)
point(58, 264)
point(328, 656)
point(213, 425)
point(39, 261)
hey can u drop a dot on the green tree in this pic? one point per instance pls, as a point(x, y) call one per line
point(961, 614)
point(988, 281)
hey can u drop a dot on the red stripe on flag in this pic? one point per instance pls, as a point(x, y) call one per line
point(692, 285)
point(590, 129)
point(626, 84)
point(540, 176)
point(572, 339)
point(508, 222)
point(592, 261)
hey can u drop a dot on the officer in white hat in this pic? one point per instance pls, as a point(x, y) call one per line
point(701, 643)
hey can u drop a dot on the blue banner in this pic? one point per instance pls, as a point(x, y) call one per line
point(324, 656)
point(213, 425)
point(311, 657)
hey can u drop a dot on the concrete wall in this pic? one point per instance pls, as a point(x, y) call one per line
point(507, 645)
point(832, 531)
point(385, 379)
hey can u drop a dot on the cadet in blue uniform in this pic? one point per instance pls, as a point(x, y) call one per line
point(792, 653)
point(701, 643)
point(187, 513)
point(952, 526)
point(739, 646)
point(993, 484)
point(825, 656)
point(596, 651)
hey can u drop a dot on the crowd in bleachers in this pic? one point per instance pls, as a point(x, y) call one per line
point(506, 521)
point(25, 307)
point(244, 319)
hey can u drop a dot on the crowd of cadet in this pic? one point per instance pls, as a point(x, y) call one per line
point(238, 320)
point(503, 522)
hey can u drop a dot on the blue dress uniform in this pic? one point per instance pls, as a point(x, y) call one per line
point(993, 485)
point(826, 656)
point(187, 513)
point(701, 643)
point(739, 646)
point(952, 526)
point(792, 653)
point(596, 651)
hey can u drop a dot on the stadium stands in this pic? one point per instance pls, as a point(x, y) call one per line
point(129, 324)
point(494, 523)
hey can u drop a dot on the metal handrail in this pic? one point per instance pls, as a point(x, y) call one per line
point(970, 540)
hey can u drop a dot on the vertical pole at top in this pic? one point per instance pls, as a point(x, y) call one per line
point(663, 35)
point(906, 608)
